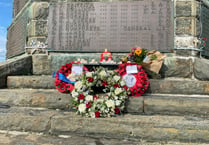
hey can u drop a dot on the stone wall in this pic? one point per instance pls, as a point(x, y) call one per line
point(186, 25)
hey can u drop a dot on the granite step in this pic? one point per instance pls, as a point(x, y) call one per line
point(127, 127)
point(166, 104)
point(162, 86)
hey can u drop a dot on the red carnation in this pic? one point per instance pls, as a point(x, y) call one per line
point(88, 105)
point(117, 111)
point(95, 97)
point(115, 85)
point(97, 114)
point(205, 39)
point(90, 79)
point(81, 96)
point(104, 83)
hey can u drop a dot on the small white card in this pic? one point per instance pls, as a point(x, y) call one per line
point(77, 70)
point(131, 69)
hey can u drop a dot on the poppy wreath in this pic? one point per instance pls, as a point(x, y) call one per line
point(62, 83)
point(136, 83)
point(99, 93)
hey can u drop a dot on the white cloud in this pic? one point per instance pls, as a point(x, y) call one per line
point(2, 43)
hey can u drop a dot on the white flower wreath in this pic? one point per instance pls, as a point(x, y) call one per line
point(89, 101)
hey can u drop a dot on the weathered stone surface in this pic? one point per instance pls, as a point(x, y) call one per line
point(176, 86)
point(51, 99)
point(41, 65)
point(37, 28)
point(187, 8)
point(164, 86)
point(129, 126)
point(135, 105)
point(23, 138)
point(25, 119)
point(177, 67)
point(40, 10)
point(187, 26)
point(184, 42)
point(176, 104)
point(17, 66)
point(201, 70)
point(35, 82)
point(137, 127)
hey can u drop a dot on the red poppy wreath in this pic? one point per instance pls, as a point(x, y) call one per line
point(135, 77)
point(62, 82)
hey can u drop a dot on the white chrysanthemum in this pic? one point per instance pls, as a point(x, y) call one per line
point(89, 98)
point(110, 103)
point(116, 78)
point(82, 108)
point(117, 102)
point(118, 91)
point(102, 73)
point(89, 74)
point(78, 85)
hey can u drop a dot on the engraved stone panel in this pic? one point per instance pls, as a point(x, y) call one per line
point(17, 34)
point(118, 26)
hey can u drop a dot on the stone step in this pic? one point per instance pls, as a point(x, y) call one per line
point(164, 86)
point(126, 127)
point(49, 98)
point(167, 104)
point(23, 138)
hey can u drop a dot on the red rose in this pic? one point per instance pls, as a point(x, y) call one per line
point(205, 39)
point(104, 83)
point(95, 97)
point(90, 79)
point(81, 96)
point(125, 87)
point(115, 85)
point(97, 114)
point(117, 111)
point(88, 105)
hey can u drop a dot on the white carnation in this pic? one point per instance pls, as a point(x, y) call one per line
point(92, 114)
point(110, 103)
point(122, 83)
point(82, 108)
point(118, 91)
point(118, 102)
point(89, 74)
point(89, 98)
point(74, 94)
point(116, 78)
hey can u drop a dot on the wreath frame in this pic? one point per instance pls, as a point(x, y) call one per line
point(142, 81)
point(65, 87)
point(109, 104)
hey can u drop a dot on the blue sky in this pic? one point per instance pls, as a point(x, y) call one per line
point(5, 21)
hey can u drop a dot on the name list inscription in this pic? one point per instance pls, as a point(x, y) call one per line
point(118, 26)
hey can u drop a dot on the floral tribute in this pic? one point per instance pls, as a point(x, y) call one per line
point(62, 82)
point(136, 82)
point(99, 93)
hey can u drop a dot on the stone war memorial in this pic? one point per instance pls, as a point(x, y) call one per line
point(106, 72)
